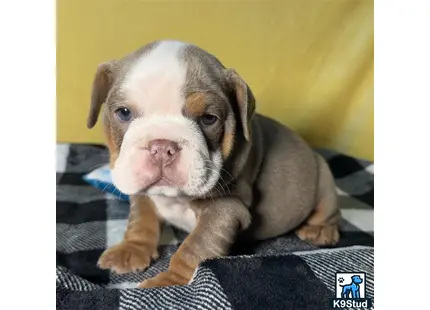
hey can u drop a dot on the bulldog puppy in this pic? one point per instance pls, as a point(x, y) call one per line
point(188, 147)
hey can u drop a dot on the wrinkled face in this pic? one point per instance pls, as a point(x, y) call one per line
point(169, 122)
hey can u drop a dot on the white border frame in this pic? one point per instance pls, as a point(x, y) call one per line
point(27, 129)
point(402, 153)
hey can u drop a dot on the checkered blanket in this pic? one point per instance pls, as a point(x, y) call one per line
point(283, 273)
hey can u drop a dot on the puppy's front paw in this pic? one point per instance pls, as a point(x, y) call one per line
point(324, 235)
point(127, 257)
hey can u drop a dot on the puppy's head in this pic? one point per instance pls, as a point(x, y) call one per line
point(172, 117)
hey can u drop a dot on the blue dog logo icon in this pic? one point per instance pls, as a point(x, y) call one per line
point(351, 293)
point(352, 290)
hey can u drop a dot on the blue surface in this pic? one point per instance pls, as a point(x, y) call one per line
point(101, 179)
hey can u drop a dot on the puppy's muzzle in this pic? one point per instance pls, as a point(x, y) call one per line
point(160, 163)
point(163, 152)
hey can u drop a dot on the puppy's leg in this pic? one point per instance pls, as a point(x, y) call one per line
point(321, 227)
point(140, 242)
point(217, 226)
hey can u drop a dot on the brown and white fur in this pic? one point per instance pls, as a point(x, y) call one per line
point(188, 147)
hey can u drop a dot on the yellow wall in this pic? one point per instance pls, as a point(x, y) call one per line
point(309, 62)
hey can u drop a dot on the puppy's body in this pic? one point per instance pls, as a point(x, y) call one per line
point(187, 145)
point(290, 182)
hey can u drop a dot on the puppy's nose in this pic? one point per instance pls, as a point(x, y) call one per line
point(163, 151)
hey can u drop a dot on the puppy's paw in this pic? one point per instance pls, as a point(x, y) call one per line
point(327, 235)
point(127, 257)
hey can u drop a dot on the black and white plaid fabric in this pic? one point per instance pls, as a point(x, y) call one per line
point(284, 273)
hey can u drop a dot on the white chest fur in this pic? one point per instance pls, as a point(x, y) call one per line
point(175, 211)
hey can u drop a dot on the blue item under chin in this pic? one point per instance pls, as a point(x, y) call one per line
point(101, 179)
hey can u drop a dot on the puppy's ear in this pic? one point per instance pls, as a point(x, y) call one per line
point(102, 84)
point(244, 98)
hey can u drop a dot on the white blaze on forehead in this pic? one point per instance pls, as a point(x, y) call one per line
point(155, 80)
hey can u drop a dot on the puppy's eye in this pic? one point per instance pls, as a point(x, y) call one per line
point(123, 114)
point(208, 119)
